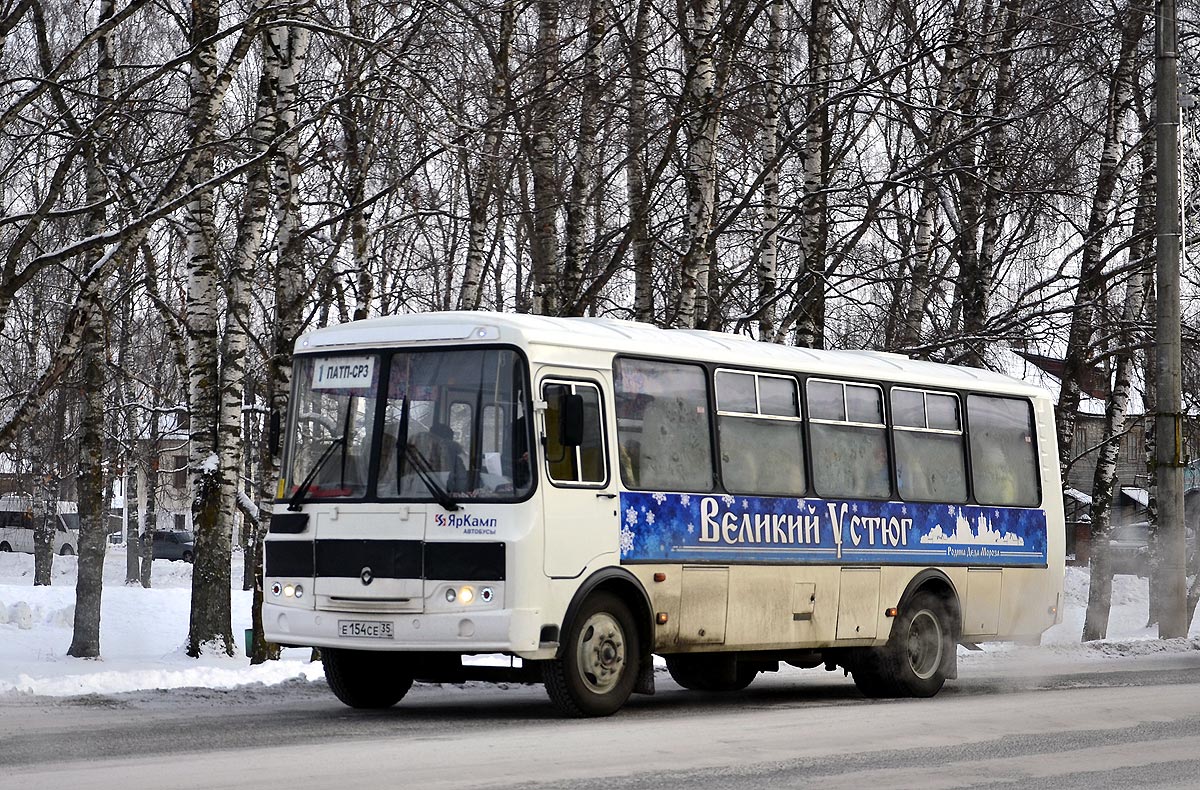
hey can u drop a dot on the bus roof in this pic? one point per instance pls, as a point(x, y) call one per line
point(634, 338)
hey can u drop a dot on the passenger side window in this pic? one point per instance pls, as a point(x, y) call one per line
point(930, 460)
point(1004, 467)
point(849, 441)
point(662, 425)
point(760, 433)
point(584, 464)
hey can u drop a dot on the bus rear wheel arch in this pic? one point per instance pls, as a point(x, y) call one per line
point(599, 659)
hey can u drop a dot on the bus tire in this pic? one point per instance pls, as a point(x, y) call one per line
point(5, 547)
point(921, 646)
point(710, 673)
point(869, 668)
point(66, 551)
point(598, 665)
point(365, 679)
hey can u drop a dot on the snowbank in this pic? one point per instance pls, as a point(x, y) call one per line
point(143, 632)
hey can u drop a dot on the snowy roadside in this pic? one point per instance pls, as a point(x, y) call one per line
point(142, 633)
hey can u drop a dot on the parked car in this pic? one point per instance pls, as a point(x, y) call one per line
point(174, 546)
point(17, 527)
point(1129, 548)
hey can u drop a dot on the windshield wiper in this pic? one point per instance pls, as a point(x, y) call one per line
point(302, 489)
point(421, 464)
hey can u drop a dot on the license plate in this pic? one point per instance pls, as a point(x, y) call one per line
point(369, 629)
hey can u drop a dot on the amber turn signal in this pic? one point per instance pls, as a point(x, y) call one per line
point(661, 618)
point(891, 612)
point(660, 577)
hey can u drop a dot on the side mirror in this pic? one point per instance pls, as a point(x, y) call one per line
point(570, 421)
point(273, 430)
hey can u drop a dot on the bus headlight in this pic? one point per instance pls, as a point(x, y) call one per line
point(451, 595)
point(466, 595)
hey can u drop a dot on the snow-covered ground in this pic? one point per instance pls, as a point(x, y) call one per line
point(142, 633)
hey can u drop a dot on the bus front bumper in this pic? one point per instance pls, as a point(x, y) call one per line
point(514, 631)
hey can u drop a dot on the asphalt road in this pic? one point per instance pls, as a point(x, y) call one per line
point(1119, 723)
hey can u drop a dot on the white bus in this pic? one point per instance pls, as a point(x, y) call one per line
point(17, 528)
point(582, 494)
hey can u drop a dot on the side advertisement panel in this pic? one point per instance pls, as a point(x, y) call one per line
point(692, 528)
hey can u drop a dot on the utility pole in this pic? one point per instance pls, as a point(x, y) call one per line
point(1168, 422)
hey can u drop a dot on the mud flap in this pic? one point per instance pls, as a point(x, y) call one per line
point(645, 679)
point(950, 663)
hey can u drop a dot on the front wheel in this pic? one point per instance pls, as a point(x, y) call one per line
point(366, 679)
point(598, 667)
point(5, 547)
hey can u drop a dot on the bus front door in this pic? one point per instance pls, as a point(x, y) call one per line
point(579, 493)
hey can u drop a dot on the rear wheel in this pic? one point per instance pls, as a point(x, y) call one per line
point(913, 662)
point(187, 556)
point(66, 551)
point(598, 667)
point(710, 672)
point(924, 647)
point(366, 679)
point(5, 547)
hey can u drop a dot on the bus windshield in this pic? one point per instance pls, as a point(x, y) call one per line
point(432, 425)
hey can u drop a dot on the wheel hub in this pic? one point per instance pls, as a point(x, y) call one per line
point(601, 653)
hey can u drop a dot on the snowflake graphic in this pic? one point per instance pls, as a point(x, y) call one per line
point(995, 514)
point(728, 500)
point(685, 499)
point(631, 516)
point(660, 498)
point(904, 510)
point(650, 519)
point(800, 504)
point(854, 508)
point(745, 504)
point(627, 537)
point(950, 510)
point(691, 528)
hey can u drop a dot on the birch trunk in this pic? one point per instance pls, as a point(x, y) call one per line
point(488, 168)
point(768, 267)
point(1091, 273)
point(284, 57)
point(545, 121)
point(583, 177)
point(210, 628)
point(1095, 624)
point(703, 110)
point(635, 169)
point(85, 637)
point(978, 286)
point(940, 121)
point(43, 532)
point(357, 127)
